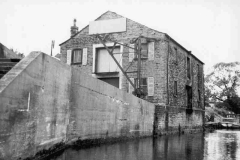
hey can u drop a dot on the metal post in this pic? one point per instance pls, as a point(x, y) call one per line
point(139, 65)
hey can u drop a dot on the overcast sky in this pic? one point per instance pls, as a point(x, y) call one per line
point(210, 29)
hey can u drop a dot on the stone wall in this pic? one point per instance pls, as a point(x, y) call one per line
point(155, 68)
point(163, 68)
point(170, 120)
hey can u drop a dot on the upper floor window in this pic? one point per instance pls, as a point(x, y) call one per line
point(188, 68)
point(147, 51)
point(144, 51)
point(176, 55)
point(77, 56)
point(199, 76)
point(175, 88)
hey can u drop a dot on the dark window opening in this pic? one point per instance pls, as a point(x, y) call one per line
point(144, 51)
point(199, 98)
point(199, 76)
point(175, 88)
point(143, 85)
point(189, 97)
point(188, 68)
point(176, 55)
point(77, 56)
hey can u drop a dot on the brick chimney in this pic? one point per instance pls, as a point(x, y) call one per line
point(74, 28)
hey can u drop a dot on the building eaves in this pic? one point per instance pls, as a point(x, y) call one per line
point(189, 52)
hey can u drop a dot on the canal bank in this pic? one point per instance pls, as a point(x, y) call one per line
point(47, 105)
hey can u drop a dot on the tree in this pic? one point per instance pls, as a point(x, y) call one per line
point(222, 83)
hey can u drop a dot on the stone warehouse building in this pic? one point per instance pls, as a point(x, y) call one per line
point(171, 75)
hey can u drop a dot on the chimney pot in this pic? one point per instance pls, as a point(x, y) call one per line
point(74, 28)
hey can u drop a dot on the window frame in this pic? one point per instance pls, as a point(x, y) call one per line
point(189, 68)
point(72, 56)
point(175, 88)
point(97, 58)
point(144, 78)
point(136, 55)
point(176, 55)
point(199, 76)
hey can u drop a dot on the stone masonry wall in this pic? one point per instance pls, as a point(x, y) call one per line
point(178, 72)
point(164, 48)
point(156, 68)
point(169, 120)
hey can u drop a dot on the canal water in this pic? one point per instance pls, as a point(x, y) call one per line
point(218, 145)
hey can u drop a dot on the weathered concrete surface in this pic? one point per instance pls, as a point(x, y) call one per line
point(44, 102)
point(34, 103)
point(99, 110)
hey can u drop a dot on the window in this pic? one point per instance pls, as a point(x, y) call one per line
point(147, 85)
point(199, 76)
point(104, 63)
point(188, 68)
point(144, 51)
point(175, 88)
point(176, 55)
point(77, 56)
point(189, 97)
point(199, 98)
point(143, 84)
point(199, 95)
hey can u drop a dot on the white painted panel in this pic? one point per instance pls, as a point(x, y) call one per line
point(69, 56)
point(105, 62)
point(131, 53)
point(107, 26)
point(151, 51)
point(84, 60)
point(130, 87)
point(150, 86)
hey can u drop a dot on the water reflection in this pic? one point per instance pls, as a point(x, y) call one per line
point(222, 144)
point(219, 145)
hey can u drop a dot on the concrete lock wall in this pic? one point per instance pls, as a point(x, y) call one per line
point(99, 110)
point(34, 98)
point(45, 103)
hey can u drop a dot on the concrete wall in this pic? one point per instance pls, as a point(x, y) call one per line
point(99, 110)
point(44, 102)
point(34, 103)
